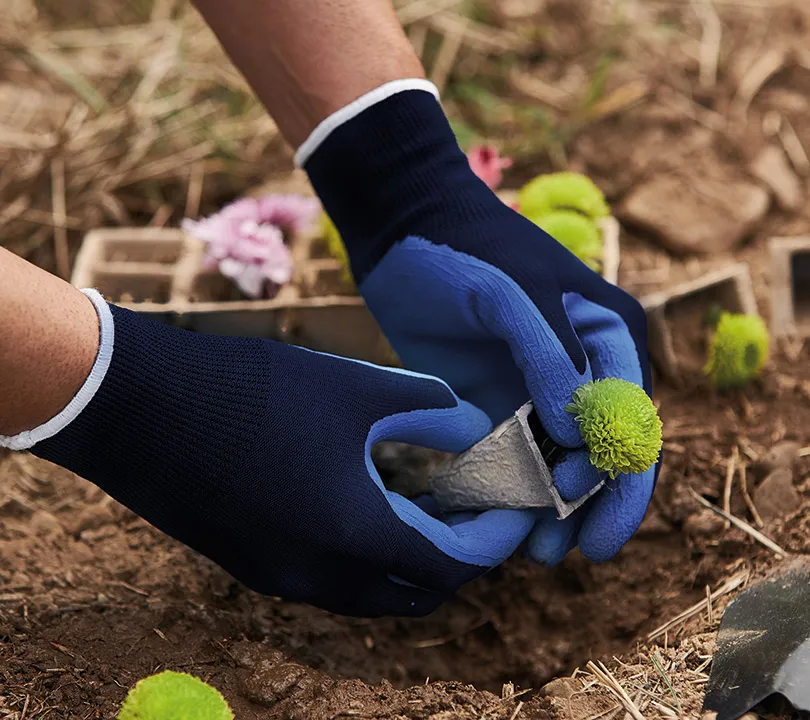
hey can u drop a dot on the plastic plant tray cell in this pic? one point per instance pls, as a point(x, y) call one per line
point(790, 286)
point(729, 288)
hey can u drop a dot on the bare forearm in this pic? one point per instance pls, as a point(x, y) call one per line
point(48, 343)
point(305, 59)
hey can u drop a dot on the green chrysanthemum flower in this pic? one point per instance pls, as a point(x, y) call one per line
point(562, 191)
point(335, 246)
point(576, 233)
point(619, 424)
point(174, 696)
point(738, 350)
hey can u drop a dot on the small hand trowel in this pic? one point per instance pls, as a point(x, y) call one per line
point(508, 469)
point(763, 646)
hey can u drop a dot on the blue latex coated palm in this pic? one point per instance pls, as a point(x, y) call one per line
point(257, 454)
point(468, 290)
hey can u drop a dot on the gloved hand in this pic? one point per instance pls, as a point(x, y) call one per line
point(468, 290)
point(256, 454)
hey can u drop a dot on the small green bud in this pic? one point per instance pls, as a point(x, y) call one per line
point(619, 424)
point(174, 696)
point(335, 246)
point(576, 233)
point(562, 191)
point(738, 350)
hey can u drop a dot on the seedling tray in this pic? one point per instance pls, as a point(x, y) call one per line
point(158, 272)
point(790, 286)
point(730, 288)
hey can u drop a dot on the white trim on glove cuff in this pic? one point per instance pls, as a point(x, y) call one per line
point(353, 109)
point(29, 438)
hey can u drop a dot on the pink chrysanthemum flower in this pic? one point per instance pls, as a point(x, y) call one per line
point(246, 239)
point(487, 164)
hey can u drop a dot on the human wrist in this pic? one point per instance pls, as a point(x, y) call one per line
point(79, 387)
point(389, 166)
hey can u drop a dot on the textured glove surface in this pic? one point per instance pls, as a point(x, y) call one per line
point(468, 290)
point(256, 454)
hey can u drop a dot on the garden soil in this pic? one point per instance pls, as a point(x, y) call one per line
point(92, 598)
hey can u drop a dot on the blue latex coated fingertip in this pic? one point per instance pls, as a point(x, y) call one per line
point(615, 514)
point(574, 475)
point(552, 539)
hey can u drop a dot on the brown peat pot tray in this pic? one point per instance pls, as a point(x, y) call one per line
point(158, 272)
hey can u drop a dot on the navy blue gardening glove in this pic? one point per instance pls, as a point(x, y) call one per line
point(468, 290)
point(256, 454)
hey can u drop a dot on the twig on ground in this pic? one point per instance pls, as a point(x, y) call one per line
point(517, 710)
point(728, 586)
point(742, 525)
point(731, 468)
point(709, 610)
point(747, 497)
point(660, 668)
point(612, 684)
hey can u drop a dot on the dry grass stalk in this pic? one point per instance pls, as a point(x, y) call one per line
point(794, 148)
point(477, 36)
point(747, 497)
point(709, 609)
point(151, 107)
point(59, 212)
point(731, 468)
point(534, 88)
point(417, 10)
point(448, 53)
point(709, 42)
point(741, 525)
point(734, 582)
point(758, 74)
point(517, 710)
point(607, 679)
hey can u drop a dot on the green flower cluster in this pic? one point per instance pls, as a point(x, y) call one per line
point(566, 205)
point(738, 350)
point(619, 424)
point(174, 696)
point(335, 246)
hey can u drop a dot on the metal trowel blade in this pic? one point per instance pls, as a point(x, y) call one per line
point(763, 646)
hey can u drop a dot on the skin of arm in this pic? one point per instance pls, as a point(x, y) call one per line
point(48, 344)
point(305, 59)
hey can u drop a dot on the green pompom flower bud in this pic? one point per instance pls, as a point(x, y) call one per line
point(738, 350)
point(562, 191)
point(619, 424)
point(576, 233)
point(174, 696)
point(335, 246)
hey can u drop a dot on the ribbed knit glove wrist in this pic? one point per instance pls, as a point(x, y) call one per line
point(256, 454)
point(468, 290)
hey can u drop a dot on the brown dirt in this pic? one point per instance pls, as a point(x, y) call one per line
point(92, 598)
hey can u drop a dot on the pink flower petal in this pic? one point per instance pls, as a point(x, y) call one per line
point(487, 164)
